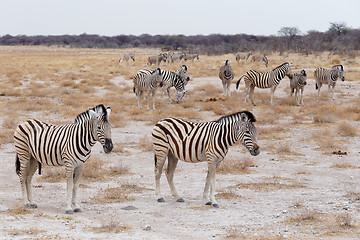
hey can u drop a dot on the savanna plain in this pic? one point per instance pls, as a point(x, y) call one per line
point(303, 185)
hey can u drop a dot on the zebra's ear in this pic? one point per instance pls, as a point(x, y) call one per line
point(93, 114)
point(108, 111)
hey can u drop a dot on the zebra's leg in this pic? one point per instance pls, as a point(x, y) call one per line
point(70, 187)
point(210, 184)
point(319, 86)
point(297, 97)
point(160, 158)
point(31, 170)
point(168, 91)
point(148, 100)
point(224, 88)
point(333, 96)
point(138, 96)
point(247, 88)
point(302, 99)
point(228, 88)
point(24, 161)
point(251, 92)
point(153, 98)
point(172, 163)
point(77, 174)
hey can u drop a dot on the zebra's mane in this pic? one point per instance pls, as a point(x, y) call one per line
point(100, 109)
point(341, 66)
point(280, 65)
point(236, 117)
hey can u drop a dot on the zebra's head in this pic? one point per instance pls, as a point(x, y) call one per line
point(132, 56)
point(340, 71)
point(180, 95)
point(183, 74)
point(102, 126)
point(248, 132)
point(157, 76)
point(286, 68)
point(302, 78)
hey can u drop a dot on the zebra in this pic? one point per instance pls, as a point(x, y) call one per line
point(297, 83)
point(191, 57)
point(127, 57)
point(176, 79)
point(269, 79)
point(178, 56)
point(157, 59)
point(243, 56)
point(226, 75)
point(329, 77)
point(37, 143)
point(147, 80)
point(187, 141)
point(259, 58)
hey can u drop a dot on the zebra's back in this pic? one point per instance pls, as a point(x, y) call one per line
point(45, 142)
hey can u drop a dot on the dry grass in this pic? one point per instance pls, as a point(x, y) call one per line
point(228, 194)
point(232, 166)
point(117, 194)
point(271, 184)
point(347, 130)
point(112, 225)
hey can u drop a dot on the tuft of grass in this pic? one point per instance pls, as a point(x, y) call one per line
point(346, 130)
point(231, 166)
point(112, 226)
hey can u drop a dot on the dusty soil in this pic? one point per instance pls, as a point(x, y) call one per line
point(299, 195)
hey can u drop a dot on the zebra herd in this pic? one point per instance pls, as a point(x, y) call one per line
point(174, 139)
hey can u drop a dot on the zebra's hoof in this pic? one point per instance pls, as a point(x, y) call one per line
point(161, 200)
point(69, 212)
point(215, 205)
point(77, 210)
point(180, 200)
point(208, 203)
point(31, 205)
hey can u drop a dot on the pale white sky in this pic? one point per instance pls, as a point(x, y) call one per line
point(168, 17)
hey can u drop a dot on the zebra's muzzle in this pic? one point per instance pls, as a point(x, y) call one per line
point(108, 147)
point(255, 151)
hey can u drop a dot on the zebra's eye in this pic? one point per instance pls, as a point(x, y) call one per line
point(99, 128)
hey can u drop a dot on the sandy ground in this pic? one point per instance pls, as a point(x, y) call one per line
point(303, 184)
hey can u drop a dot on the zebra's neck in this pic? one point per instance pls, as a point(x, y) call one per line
point(85, 124)
point(279, 74)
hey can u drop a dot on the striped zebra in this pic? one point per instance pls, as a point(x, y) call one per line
point(269, 79)
point(127, 57)
point(329, 77)
point(147, 81)
point(259, 58)
point(176, 79)
point(177, 139)
point(68, 145)
point(226, 75)
point(243, 56)
point(297, 83)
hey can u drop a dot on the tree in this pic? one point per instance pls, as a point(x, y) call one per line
point(289, 32)
point(338, 27)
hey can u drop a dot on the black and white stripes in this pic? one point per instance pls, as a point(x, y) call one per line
point(68, 145)
point(269, 79)
point(226, 75)
point(329, 77)
point(176, 139)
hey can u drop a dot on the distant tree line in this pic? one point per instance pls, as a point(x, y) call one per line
point(338, 39)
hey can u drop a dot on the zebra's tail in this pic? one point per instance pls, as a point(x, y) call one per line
point(316, 86)
point(238, 81)
point(134, 89)
point(39, 163)
point(17, 165)
point(155, 158)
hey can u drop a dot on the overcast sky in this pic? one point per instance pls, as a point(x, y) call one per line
point(168, 17)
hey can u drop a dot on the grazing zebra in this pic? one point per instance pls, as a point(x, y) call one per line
point(329, 77)
point(157, 59)
point(127, 57)
point(243, 56)
point(198, 142)
point(176, 79)
point(226, 75)
point(178, 56)
point(191, 57)
point(297, 83)
point(68, 145)
point(259, 58)
point(258, 79)
point(147, 80)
